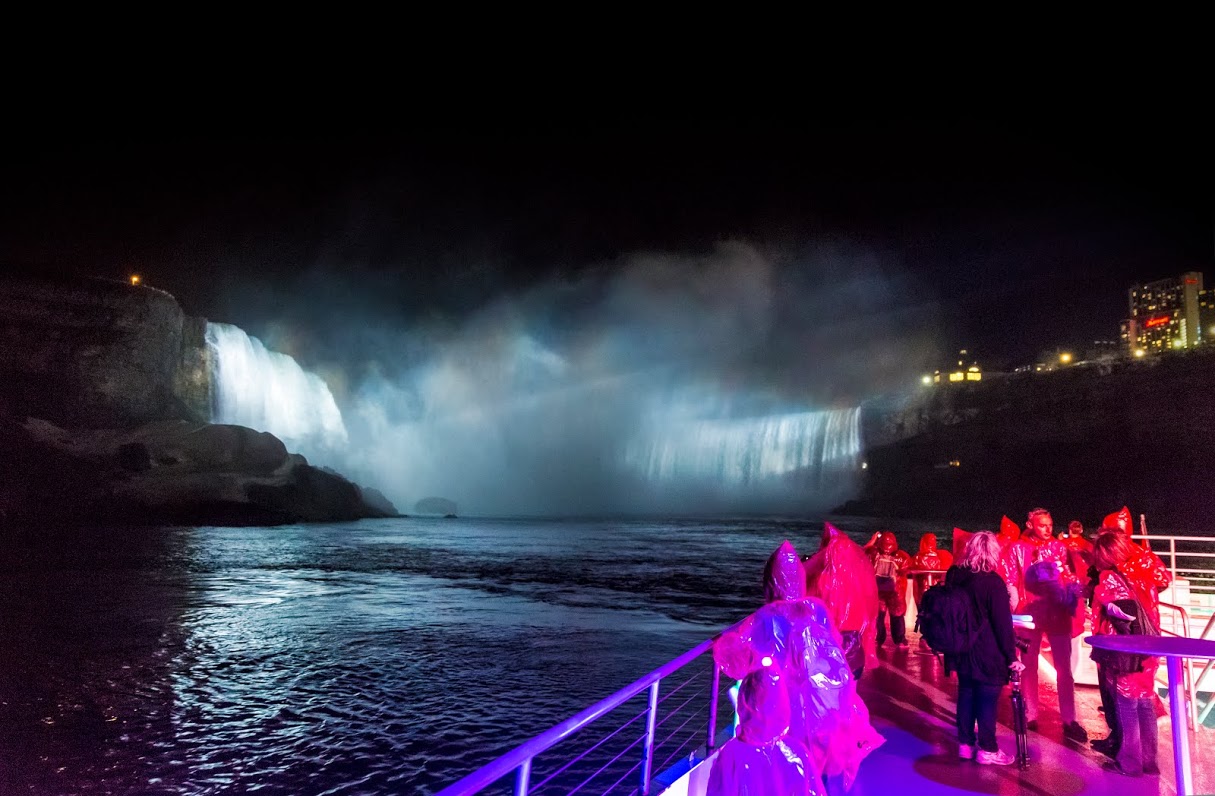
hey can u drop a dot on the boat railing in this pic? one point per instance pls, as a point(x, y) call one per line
point(1191, 562)
point(626, 755)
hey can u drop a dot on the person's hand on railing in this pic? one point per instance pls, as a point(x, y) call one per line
point(1017, 666)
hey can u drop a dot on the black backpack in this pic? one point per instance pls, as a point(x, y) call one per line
point(949, 621)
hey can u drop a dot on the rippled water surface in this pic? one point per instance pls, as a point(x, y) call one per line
point(386, 656)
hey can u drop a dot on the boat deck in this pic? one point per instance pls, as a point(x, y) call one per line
point(912, 704)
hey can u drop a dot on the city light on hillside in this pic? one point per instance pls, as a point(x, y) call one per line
point(1139, 352)
point(1065, 358)
point(136, 279)
point(928, 379)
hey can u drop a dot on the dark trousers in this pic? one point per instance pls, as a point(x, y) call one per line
point(898, 627)
point(1109, 690)
point(977, 704)
point(890, 602)
point(1137, 718)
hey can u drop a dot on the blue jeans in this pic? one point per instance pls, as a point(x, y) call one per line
point(1137, 719)
point(977, 704)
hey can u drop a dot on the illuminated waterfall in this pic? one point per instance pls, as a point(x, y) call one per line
point(268, 391)
point(810, 447)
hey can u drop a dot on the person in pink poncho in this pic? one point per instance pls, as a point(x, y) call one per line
point(841, 575)
point(793, 635)
point(764, 759)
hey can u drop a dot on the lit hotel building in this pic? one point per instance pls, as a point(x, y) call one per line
point(1206, 315)
point(966, 370)
point(1164, 315)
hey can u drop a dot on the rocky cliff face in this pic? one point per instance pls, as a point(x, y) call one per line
point(1082, 442)
point(95, 354)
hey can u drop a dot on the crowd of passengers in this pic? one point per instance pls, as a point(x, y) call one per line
point(802, 728)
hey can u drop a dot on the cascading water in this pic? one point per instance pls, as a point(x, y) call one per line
point(268, 391)
point(809, 446)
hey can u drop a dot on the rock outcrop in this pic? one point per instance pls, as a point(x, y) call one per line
point(435, 505)
point(167, 472)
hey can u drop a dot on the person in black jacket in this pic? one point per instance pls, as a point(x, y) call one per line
point(983, 671)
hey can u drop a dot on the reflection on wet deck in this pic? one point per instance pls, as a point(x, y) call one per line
point(912, 705)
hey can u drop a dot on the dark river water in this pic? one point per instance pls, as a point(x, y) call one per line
point(386, 656)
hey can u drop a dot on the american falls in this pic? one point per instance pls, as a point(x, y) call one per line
point(265, 390)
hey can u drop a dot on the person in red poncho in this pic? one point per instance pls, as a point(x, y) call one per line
point(1124, 587)
point(1079, 548)
point(1037, 566)
point(841, 576)
point(1146, 568)
point(930, 557)
point(890, 565)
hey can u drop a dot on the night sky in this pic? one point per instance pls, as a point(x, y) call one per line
point(1009, 240)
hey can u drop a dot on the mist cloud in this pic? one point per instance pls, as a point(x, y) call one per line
point(535, 402)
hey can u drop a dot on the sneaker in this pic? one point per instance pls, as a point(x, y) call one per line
point(1152, 770)
point(966, 751)
point(1074, 732)
point(996, 758)
point(1105, 746)
point(1032, 725)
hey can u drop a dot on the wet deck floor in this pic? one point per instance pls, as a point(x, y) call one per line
point(912, 705)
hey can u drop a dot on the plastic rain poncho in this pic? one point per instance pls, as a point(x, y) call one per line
point(764, 759)
point(886, 557)
point(841, 576)
point(1120, 519)
point(1140, 684)
point(960, 538)
point(795, 635)
point(930, 557)
point(1040, 572)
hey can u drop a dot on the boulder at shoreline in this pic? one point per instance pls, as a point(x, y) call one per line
point(168, 472)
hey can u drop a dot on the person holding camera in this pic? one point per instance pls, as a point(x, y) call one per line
point(1126, 602)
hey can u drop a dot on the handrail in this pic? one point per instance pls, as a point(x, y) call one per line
point(519, 759)
point(1191, 686)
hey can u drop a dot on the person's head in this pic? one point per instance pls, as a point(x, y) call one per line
point(1038, 525)
point(1112, 548)
point(784, 577)
point(928, 543)
point(1119, 520)
point(887, 543)
point(982, 552)
point(1074, 528)
point(763, 707)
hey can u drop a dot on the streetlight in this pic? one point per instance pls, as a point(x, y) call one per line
point(1139, 352)
point(1065, 358)
point(135, 279)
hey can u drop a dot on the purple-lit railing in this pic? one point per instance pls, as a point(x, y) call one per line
point(520, 759)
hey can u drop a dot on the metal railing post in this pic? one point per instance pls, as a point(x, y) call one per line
point(521, 779)
point(1173, 557)
point(711, 740)
point(651, 722)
